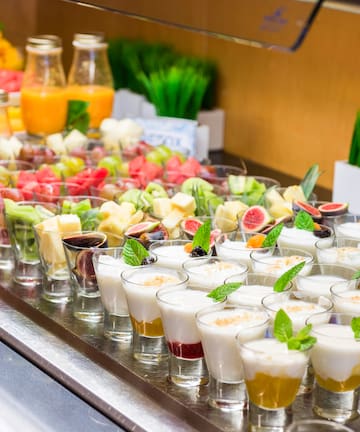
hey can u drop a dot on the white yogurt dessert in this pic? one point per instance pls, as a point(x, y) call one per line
point(316, 285)
point(346, 297)
point(140, 286)
point(348, 229)
point(209, 273)
point(218, 328)
point(298, 310)
point(178, 308)
point(345, 255)
point(277, 265)
point(336, 357)
point(108, 275)
point(170, 253)
point(269, 364)
point(292, 237)
point(234, 250)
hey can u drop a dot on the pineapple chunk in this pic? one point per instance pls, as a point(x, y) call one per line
point(162, 207)
point(294, 193)
point(184, 202)
point(173, 219)
point(233, 209)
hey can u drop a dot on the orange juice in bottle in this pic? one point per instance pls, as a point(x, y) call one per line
point(100, 98)
point(90, 77)
point(43, 92)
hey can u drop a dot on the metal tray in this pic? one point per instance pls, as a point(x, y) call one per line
point(135, 396)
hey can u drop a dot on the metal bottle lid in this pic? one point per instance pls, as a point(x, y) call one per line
point(44, 42)
point(88, 39)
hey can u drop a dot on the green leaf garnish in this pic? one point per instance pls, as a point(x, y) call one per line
point(356, 275)
point(77, 116)
point(282, 326)
point(286, 277)
point(222, 291)
point(202, 236)
point(134, 252)
point(272, 236)
point(310, 179)
point(283, 332)
point(355, 326)
point(304, 221)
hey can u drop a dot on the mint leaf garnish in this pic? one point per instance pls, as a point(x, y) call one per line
point(272, 236)
point(355, 326)
point(304, 221)
point(283, 332)
point(221, 292)
point(134, 252)
point(202, 236)
point(77, 116)
point(286, 277)
point(282, 326)
point(356, 275)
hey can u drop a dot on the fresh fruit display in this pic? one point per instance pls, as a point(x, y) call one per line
point(147, 231)
point(227, 215)
point(206, 200)
point(248, 189)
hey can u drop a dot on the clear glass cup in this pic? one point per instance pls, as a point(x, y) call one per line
point(171, 253)
point(327, 220)
point(140, 286)
point(347, 225)
point(54, 192)
point(321, 277)
point(5, 126)
point(346, 296)
point(178, 306)
point(10, 169)
point(79, 248)
point(43, 98)
point(336, 361)
point(112, 186)
point(108, 265)
point(293, 237)
point(341, 251)
point(218, 326)
point(251, 189)
point(234, 246)
point(277, 261)
point(317, 425)
point(207, 273)
point(255, 286)
point(218, 174)
point(268, 364)
point(90, 77)
point(299, 307)
point(20, 221)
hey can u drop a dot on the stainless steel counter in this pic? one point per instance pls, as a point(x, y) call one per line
point(136, 397)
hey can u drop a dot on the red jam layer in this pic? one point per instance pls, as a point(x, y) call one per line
point(186, 351)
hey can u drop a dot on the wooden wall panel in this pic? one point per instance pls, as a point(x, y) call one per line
point(282, 110)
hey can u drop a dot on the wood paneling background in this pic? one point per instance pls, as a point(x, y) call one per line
point(285, 111)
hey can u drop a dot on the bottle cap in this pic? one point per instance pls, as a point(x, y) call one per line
point(4, 97)
point(44, 42)
point(89, 38)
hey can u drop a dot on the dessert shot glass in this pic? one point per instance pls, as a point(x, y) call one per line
point(342, 251)
point(20, 218)
point(79, 248)
point(140, 286)
point(268, 365)
point(346, 296)
point(218, 326)
point(336, 361)
point(109, 264)
point(178, 306)
point(321, 278)
point(254, 287)
point(277, 261)
point(208, 273)
point(347, 225)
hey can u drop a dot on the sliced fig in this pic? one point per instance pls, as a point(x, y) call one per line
point(147, 238)
point(283, 219)
point(142, 227)
point(313, 211)
point(255, 219)
point(333, 209)
point(84, 265)
point(189, 226)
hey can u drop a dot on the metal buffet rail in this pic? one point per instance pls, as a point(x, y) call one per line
point(137, 397)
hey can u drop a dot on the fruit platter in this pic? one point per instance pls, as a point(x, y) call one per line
point(88, 197)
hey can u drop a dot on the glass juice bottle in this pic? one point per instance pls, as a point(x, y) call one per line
point(5, 128)
point(43, 92)
point(90, 77)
